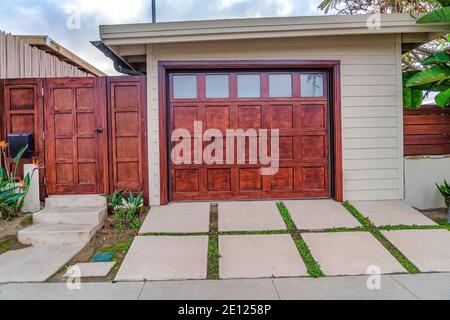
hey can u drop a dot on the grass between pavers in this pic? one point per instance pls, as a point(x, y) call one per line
point(213, 244)
point(443, 223)
point(312, 266)
point(119, 249)
point(370, 227)
point(413, 227)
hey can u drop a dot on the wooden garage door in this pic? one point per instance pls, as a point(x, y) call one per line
point(295, 102)
point(76, 149)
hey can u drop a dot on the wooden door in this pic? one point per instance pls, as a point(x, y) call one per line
point(299, 109)
point(76, 146)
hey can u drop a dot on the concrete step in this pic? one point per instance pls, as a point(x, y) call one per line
point(57, 234)
point(75, 201)
point(92, 216)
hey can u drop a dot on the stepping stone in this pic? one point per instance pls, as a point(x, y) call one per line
point(178, 218)
point(94, 270)
point(165, 258)
point(429, 250)
point(250, 216)
point(102, 257)
point(350, 253)
point(391, 213)
point(259, 256)
point(320, 215)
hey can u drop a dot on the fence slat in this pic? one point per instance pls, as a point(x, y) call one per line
point(427, 131)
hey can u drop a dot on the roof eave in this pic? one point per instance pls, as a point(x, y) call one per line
point(236, 29)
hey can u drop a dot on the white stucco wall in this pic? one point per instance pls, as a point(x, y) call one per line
point(421, 176)
point(372, 110)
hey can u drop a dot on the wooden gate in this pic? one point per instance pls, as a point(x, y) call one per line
point(90, 132)
point(75, 136)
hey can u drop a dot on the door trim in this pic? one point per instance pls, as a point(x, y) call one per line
point(164, 67)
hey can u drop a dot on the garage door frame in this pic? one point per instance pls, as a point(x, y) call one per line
point(165, 67)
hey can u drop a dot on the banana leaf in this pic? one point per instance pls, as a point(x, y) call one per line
point(441, 15)
point(412, 98)
point(443, 98)
point(433, 74)
point(434, 86)
point(444, 3)
point(440, 57)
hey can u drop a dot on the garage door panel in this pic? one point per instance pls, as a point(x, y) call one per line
point(186, 180)
point(250, 117)
point(219, 180)
point(281, 117)
point(287, 148)
point(184, 117)
point(283, 180)
point(313, 147)
point(250, 179)
point(218, 117)
point(314, 116)
point(313, 178)
point(303, 146)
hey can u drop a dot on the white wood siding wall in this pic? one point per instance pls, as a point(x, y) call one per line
point(371, 101)
point(20, 60)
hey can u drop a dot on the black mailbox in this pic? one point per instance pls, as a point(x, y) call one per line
point(17, 142)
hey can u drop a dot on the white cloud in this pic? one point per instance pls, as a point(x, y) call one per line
point(107, 11)
point(50, 17)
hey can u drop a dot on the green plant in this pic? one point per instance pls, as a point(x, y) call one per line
point(12, 190)
point(434, 75)
point(127, 209)
point(444, 189)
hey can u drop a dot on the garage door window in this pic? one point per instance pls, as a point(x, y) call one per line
point(217, 86)
point(249, 86)
point(280, 85)
point(311, 85)
point(185, 87)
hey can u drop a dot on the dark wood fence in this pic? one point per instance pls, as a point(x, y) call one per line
point(427, 131)
point(22, 109)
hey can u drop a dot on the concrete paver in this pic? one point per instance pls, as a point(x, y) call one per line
point(165, 258)
point(259, 256)
point(391, 213)
point(350, 253)
point(320, 215)
point(429, 250)
point(250, 216)
point(178, 218)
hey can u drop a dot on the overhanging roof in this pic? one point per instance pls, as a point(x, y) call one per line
point(54, 48)
point(257, 28)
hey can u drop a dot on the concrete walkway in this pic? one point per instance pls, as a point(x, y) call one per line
point(403, 287)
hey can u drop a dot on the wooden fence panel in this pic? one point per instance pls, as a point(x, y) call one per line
point(427, 131)
point(20, 60)
point(22, 108)
point(128, 134)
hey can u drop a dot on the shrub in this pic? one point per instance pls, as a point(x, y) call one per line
point(12, 189)
point(445, 191)
point(126, 208)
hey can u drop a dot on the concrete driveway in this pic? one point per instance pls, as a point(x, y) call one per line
point(248, 240)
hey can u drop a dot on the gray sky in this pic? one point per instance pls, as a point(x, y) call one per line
point(51, 17)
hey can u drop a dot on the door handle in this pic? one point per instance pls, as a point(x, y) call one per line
point(99, 130)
